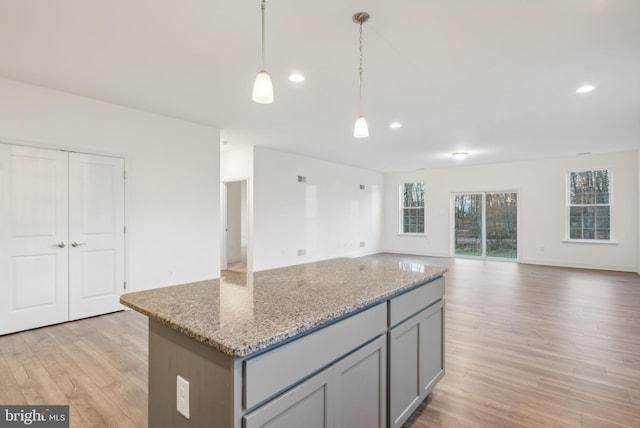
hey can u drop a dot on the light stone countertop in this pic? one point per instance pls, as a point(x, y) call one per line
point(241, 317)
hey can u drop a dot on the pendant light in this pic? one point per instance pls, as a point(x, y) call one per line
point(262, 87)
point(361, 129)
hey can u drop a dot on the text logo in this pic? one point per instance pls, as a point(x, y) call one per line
point(34, 416)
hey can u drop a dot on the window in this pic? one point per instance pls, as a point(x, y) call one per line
point(590, 204)
point(412, 207)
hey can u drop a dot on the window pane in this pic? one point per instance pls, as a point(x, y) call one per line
point(575, 233)
point(589, 210)
point(468, 225)
point(502, 225)
point(413, 207)
point(589, 187)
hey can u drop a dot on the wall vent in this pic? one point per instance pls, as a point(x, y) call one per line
point(362, 187)
point(302, 179)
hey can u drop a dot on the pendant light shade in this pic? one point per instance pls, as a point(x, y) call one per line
point(361, 129)
point(262, 87)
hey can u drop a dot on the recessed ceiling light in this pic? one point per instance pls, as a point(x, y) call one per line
point(459, 155)
point(395, 125)
point(296, 77)
point(585, 88)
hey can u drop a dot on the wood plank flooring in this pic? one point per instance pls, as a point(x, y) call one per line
point(527, 346)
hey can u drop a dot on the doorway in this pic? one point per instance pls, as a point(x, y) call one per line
point(485, 225)
point(235, 226)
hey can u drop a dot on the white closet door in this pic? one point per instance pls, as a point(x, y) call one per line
point(96, 234)
point(33, 238)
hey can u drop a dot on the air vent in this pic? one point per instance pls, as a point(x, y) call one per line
point(362, 187)
point(302, 179)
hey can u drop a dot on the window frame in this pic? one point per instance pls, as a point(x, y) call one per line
point(401, 209)
point(569, 205)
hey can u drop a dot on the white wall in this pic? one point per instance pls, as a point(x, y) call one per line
point(328, 216)
point(172, 202)
point(542, 196)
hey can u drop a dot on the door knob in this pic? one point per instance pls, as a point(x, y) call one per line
point(77, 244)
point(60, 244)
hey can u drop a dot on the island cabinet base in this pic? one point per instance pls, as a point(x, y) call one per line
point(215, 381)
point(370, 369)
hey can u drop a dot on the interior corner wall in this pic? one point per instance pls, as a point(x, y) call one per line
point(172, 187)
point(542, 209)
point(326, 216)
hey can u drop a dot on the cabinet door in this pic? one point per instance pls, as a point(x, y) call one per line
point(308, 405)
point(361, 387)
point(432, 347)
point(33, 238)
point(404, 370)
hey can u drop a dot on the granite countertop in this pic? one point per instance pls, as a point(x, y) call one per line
point(241, 317)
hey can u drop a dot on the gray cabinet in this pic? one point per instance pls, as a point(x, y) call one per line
point(361, 387)
point(404, 370)
point(431, 347)
point(309, 404)
point(370, 369)
point(416, 361)
point(349, 394)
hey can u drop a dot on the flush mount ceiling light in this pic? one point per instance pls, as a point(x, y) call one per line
point(262, 87)
point(585, 89)
point(361, 129)
point(460, 155)
point(296, 77)
point(395, 125)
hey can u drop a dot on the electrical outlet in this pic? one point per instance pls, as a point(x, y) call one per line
point(182, 396)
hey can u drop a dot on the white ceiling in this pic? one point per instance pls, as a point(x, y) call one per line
point(496, 78)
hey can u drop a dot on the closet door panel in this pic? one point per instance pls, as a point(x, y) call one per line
point(96, 234)
point(33, 237)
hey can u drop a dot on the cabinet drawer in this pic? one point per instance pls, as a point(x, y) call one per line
point(412, 302)
point(276, 370)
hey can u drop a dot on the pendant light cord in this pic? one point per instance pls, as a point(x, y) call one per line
point(263, 43)
point(360, 80)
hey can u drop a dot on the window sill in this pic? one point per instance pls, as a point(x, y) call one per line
point(419, 235)
point(590, 241)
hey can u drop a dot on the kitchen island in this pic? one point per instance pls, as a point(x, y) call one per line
point(343, 342)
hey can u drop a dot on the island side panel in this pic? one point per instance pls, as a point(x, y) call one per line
point(214, 385)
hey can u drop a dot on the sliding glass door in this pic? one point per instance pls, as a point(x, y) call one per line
point(485, 224)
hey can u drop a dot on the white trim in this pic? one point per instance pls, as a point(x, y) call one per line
point(401, 209)
point(590, 241)
point(568, 205)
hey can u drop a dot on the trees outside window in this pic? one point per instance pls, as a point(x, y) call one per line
point(412, 207)
point(589, 204)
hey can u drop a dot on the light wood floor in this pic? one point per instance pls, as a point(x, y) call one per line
point(527, 346)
